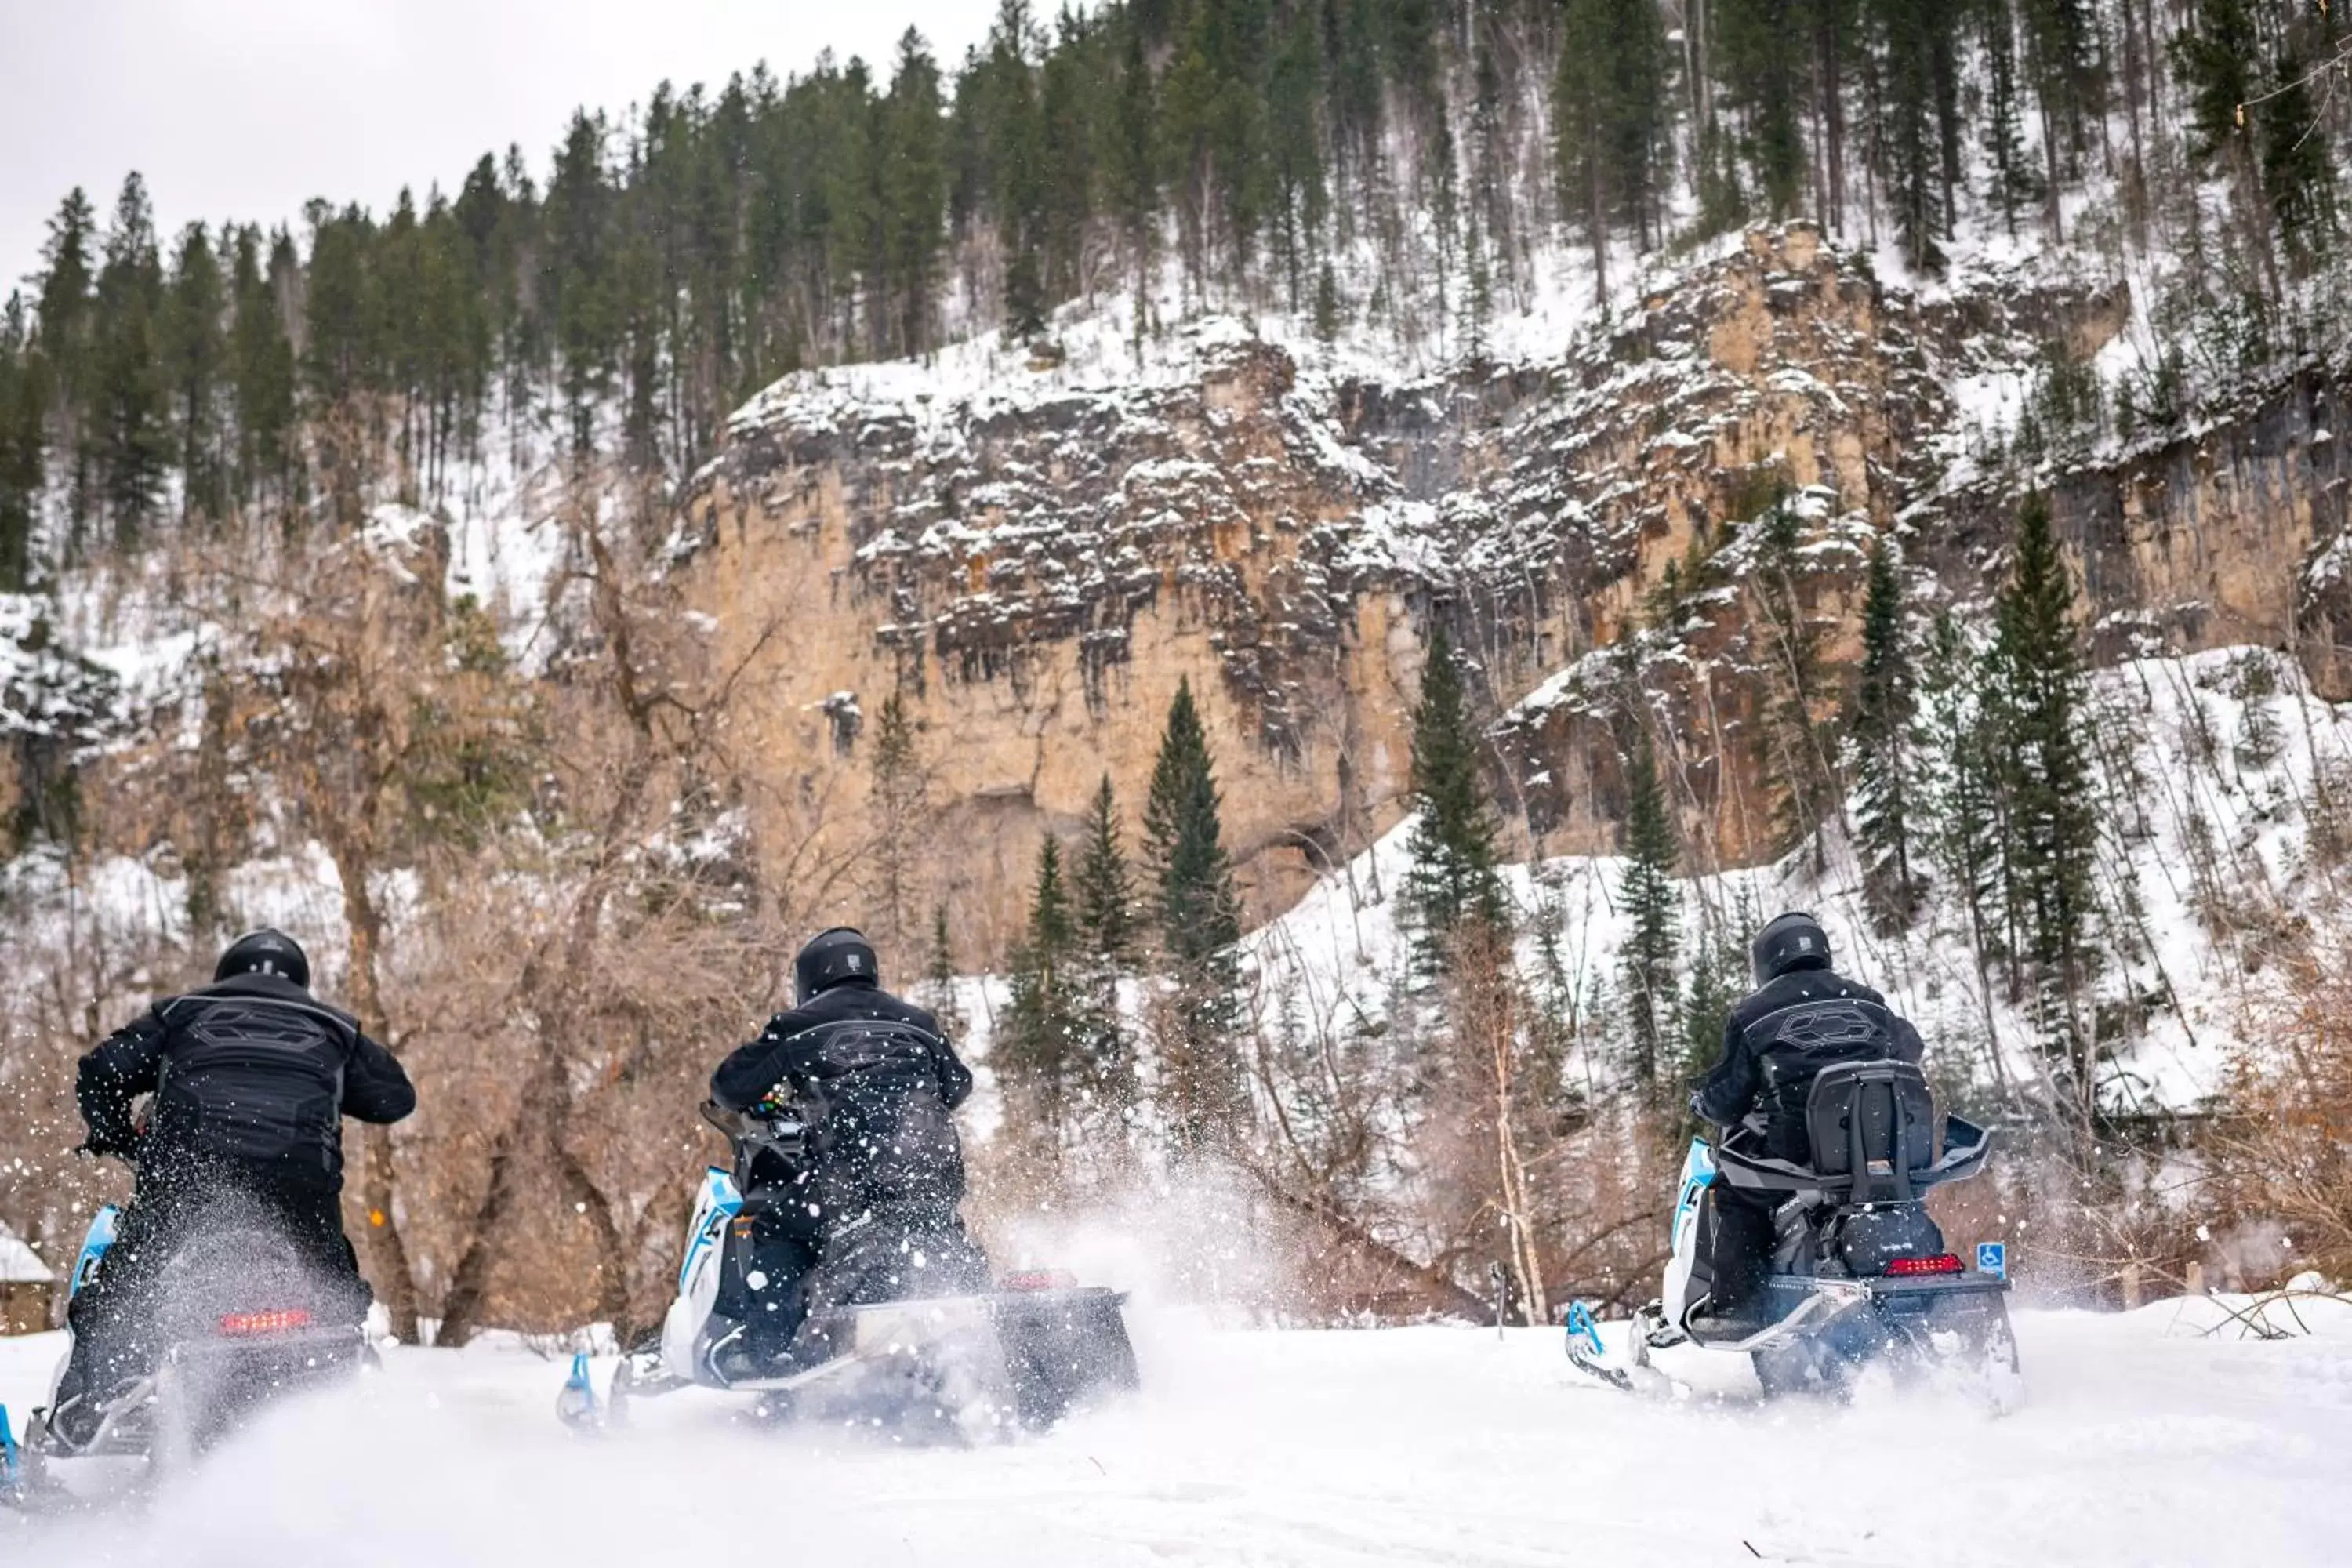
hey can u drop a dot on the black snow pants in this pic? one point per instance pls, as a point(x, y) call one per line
point(764, 1284)
point(1734, 1246)
point(893, 1252)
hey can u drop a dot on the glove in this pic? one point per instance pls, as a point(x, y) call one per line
point(98, 1146)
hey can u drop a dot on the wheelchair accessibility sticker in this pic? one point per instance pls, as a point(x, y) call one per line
point(1992, 1258)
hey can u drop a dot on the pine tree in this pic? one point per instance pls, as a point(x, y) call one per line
point(1132, 158)
point(1200, 922)
point(2217, 60)
point(130, 433)
point(2260, 126)
point(340, 312)
point(1199, 912)
point(1453, 879)
point(1913, 37)
point(1235, 38)
point(1797, 747)
point(2013, 184)
point(914, 191)
point(2298, 176)
point(1762, 48)
point(1957, 783)
point(193, 351)
point(1609, 111)
point(1717, 979)
point(1881, 739)
point(1039, 1050)
point(576, 269)
point(1015, 135)
point(1478, 300)
point(1356, 98)
point(1105, 893)
point(1069, 139)
point(1107, 939)
point(1327, 305)
point(940, 975)
point(62, 323)
point(2062, 54)
point(23, 413)
point(1652, 899)
point(261, 365)
point(902, 819)
point(2051, 840)
point(847, 175)
point(1294, 108)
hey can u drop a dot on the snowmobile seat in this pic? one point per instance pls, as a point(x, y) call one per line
point(1873, 1124)
point(1873, 1129)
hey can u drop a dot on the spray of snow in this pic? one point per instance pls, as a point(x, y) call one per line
point(2146, 1440)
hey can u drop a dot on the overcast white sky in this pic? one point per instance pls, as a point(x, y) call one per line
point(245, 109)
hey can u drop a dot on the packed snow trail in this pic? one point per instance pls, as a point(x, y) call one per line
point(2143, 1443)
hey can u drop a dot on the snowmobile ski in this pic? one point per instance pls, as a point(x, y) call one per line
point(576, 1405)
point(1587, 1354)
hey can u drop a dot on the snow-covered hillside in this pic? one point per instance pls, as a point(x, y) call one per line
point(2218, 773)
point(2147, 1440)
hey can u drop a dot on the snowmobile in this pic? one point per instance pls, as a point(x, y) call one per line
point(1859, 1272)
point(1021, 1357)
point(242, 1321)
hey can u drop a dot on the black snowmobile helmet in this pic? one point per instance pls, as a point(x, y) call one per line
point(838, 957)
point(264, 951)
point(1792, 941)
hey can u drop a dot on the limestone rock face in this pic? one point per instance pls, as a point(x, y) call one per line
point(1036, 578)
point(2231, 531)
point(1034, 568)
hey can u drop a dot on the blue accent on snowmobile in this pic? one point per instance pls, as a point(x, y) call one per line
point(578, 1381)
point(94, 1244)
point(1581, 1326)
point(1992, 1258)
point(12, 1470)
point(1698, 1174)
point(718, 1191)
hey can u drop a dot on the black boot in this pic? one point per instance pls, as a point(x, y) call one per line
point(77, 1410)
point(1733, 1319)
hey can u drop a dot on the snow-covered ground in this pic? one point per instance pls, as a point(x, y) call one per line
point(2146, 1441)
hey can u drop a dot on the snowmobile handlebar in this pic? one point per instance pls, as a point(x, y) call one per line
point(125, 1150)
point(783, 1133)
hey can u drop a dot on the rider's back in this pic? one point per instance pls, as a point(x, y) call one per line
point(879, 1082)
point(1781, 1036)
point(252, 1073)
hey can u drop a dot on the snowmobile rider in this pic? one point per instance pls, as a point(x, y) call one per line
point(1801, 1018)
point(251, 1077)
point(868, 1213)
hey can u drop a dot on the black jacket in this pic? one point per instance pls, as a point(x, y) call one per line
point(254, 1070)
point(876, 1082)
point(1779, 1038)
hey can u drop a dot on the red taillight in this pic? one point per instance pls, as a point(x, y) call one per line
point(243, 1324)
point(1039, 1279)
point(1932, 1263)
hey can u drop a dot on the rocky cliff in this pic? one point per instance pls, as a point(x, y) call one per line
point(1036, 568)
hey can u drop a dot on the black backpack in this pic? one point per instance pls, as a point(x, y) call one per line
point(253, 1080)
point(880, 1128)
